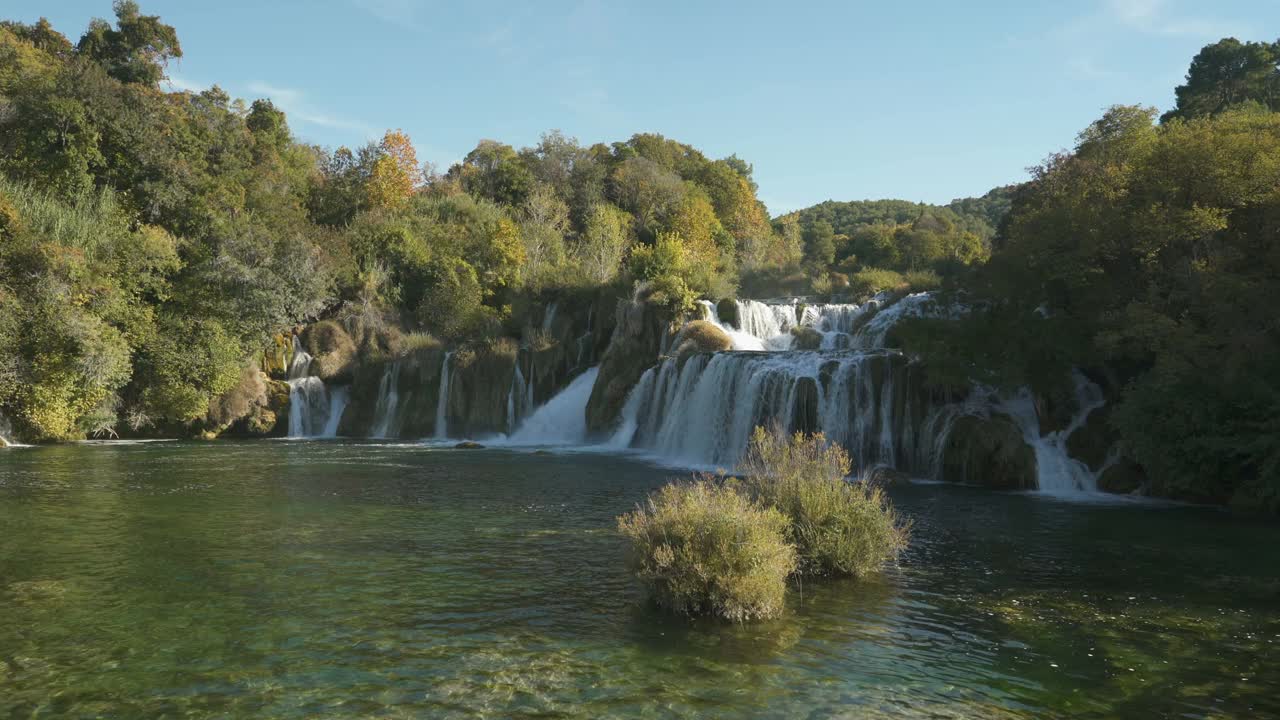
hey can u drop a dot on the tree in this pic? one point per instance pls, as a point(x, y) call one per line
point(649, 192)
point(819, 244)
point(136, 50)
point(1229, 73)
point(494, 171)
point(604, 242)
point(544, 220)
point(395, 175)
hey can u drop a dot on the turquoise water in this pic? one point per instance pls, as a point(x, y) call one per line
point(335, 579)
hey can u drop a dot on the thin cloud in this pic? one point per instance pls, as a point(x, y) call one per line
point(396, 12)
point(1157, 17)
point(295, 105)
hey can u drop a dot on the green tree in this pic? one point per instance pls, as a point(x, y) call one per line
point(1229, 73)
point(136, 50)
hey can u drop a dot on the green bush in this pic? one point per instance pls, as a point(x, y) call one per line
point(703, 548)
point(838, 527)
point(922, 280)
point(872, 280)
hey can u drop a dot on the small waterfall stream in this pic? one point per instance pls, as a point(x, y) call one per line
point(442, 400)
point(314, 410)
point(562, 420)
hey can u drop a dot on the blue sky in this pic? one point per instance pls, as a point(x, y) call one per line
point(829, 100)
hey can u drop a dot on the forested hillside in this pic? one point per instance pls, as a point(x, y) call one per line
point(1151, 254)
point(153, 243)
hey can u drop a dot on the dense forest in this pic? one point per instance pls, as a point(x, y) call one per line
point(155, 244)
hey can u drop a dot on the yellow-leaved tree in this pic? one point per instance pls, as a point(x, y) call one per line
point(396, 174)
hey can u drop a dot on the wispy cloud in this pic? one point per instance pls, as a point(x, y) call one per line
point(397, 12)
point(297, 107)
point(1160, 17)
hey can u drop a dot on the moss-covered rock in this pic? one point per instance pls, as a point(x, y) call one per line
point(332, 350)
point(468, 445)
point(479, 385)
point(727, 311)
point(278, 405)
point(701, 336)
point(990, 452)
point(638, 337)
point(805, 338)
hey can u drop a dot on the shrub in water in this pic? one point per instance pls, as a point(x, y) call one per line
point(838, 527)
point(703, 548)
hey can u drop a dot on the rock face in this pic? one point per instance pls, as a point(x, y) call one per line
point(333, 352)
point(479, 385)
point(989, 452)
point(641, 332)
point(700, 336)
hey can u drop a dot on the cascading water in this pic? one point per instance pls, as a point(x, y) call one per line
point(1056, 471)
point(516, 406)
point(563, 419)
point(700, 410)
point(442, 401)
point(386, 411)
point(314, 411)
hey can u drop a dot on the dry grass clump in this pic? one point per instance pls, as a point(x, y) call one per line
point(704, 548)
point(838, 527)
point(726, 547)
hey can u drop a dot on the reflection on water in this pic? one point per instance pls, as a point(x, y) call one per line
point(353, 580)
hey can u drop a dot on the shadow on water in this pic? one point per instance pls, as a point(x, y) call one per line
point(345, 579)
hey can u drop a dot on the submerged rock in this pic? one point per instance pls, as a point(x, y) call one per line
point(990, 452)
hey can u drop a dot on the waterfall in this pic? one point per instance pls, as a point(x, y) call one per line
point(916, 305)
point(702, 411)
point(764, 321)
point(563, 420)
point(442, 402)
point(1056, 471)
point(740, 340)
point(515, 400)
point(314, 411)
point(386, 411)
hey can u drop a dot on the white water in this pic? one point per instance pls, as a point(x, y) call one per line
point(515, 400)
point(314, 410)
point(701, 412)
point(563, 420)
point(386, 411)
point(442, 401)
point(1056, 471)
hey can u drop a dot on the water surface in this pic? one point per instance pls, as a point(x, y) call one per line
point(344, 579)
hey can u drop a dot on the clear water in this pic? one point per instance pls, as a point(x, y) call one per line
point(335, 579)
